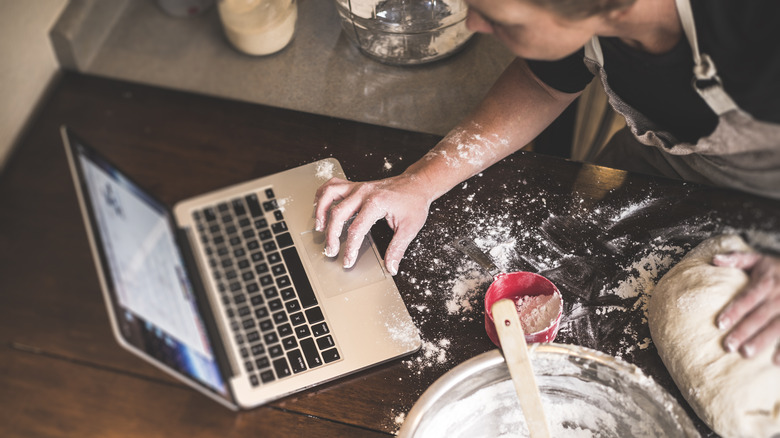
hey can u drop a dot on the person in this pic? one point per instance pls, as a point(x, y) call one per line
point(698, 82)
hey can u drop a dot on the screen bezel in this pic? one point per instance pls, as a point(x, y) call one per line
point(75, 147)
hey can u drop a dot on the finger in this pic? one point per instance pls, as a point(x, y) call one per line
point(339, 215)
point(333, 190)
point(397, 248)
point(776, 359)
point(746, 335)
point(741, 260)
point(755, 292)
point(768, 337)
point(361, 226)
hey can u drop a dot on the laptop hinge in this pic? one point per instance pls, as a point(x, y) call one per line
point(205, 306)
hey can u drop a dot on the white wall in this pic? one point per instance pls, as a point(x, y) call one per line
point(27, 63)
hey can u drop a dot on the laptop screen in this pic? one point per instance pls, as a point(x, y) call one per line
point(154, 303)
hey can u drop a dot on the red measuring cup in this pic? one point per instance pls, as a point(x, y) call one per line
point(514, 286)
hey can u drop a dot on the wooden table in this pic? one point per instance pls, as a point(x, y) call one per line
point(603, 236)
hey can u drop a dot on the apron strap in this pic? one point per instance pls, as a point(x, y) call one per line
point(706, 81)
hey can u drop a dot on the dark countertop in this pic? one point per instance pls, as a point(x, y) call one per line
point(603, 236)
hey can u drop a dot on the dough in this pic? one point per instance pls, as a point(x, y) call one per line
point(736, 397)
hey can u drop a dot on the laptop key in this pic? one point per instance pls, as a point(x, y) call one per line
point(288, 293)
point(279, 227)
point(302, 331)
point(270, 205)
point(289, 343)
point(278, 215)
point(275, 350)
point(270, 338)
point(278, 269)
point(274, 258)
point(261, 312)
point(256, 300)
point(257, 350)
point(262, 362)
point(296, 361)
point(238, 207)
point(314, 315)
point(320, 329)
point(298, 319)
point(270, 292)
point(266, 280)
point(266, 325)
point(283, 281)
point(253, 380)
point(284, 330)
point(299, 278)
point(292, 306)
point(254, 205)
point(209, 214)
point(284, 240)
point(267, 376)
point(269, 193)
point(280, 317)
point(325, 342)
point(331, 355)
point(310, 351)
point(275, 305)
point(282, 368)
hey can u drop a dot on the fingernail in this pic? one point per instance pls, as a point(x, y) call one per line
point(393, 267)
point(748, 350)
point(318, 225)
point(731, 345)
point(724, 323)
point(331, 252)
point(349, 260)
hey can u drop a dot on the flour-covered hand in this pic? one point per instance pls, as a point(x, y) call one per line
point(753, 317)
point(401, 200)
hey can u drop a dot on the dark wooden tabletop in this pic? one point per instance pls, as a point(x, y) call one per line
point(603, 236)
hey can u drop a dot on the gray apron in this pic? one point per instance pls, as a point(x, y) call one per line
point(741, 153)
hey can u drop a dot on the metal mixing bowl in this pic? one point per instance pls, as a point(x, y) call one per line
point(584, 392)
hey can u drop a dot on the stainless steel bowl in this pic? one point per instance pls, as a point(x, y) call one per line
point(585, 393)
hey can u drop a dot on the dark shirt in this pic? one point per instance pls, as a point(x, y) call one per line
point(741, 37)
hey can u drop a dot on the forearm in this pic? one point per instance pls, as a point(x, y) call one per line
point(517, 108)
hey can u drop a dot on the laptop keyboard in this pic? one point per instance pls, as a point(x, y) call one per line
point(270, 304)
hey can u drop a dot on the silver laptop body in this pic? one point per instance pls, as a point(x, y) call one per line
point(175, 283)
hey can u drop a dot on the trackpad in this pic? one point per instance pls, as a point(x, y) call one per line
point(330, 272)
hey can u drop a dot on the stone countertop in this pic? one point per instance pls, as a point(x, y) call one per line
point(320, 72)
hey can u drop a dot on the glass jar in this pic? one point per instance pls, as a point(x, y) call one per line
point(405, 31)
point(258, 27)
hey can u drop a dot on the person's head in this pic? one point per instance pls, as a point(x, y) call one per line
point(542, 29)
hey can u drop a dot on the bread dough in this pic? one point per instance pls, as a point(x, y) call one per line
point(736, 397)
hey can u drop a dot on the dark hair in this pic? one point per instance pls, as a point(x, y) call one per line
point(578, 9)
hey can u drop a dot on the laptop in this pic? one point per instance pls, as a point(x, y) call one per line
point(230, 291)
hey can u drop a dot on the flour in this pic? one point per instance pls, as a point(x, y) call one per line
point(476, 150)
point(538, 312)
point(324, 170)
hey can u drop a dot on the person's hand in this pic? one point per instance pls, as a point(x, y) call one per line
point(753, 317)
point(402, 200)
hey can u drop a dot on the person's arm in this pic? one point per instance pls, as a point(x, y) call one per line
point(753, 317)
point(517, 108)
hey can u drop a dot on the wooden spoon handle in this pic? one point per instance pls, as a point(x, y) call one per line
point(515, 350)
